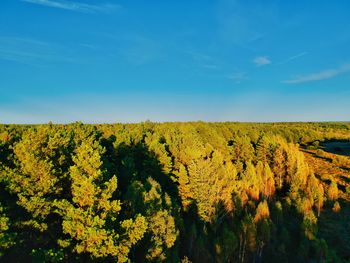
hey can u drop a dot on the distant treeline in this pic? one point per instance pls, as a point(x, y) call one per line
point(170, 192)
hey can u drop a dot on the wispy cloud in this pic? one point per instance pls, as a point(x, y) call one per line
point(324, 74)
point(33, 52)
point(210, 66)
point(199, 56)
point(203, 61)
point(292, 58)
point(89, 46)
point(76, 6)
point(140, 50)
point(238, 77)
point(262, 61)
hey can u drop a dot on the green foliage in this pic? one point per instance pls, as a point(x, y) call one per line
point(6, 237)
point(47, 255)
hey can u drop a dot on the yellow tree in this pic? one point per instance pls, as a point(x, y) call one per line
point(263, 149)
point(90, 219)
point(251, 181)
point(268, 182)
point(279, 166)
point(41, 165)
point(315, 192)
point(242, 149)
point(212, 180)
point(184, 187)
point(203, 177)
point(149, 199)
point(262, 222)
point(262, 211)
point(333, 191)
point(161, 224)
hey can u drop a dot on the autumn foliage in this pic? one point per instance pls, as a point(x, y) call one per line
point(172, 192)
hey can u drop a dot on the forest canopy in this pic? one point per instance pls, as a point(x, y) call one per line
point(174, 192)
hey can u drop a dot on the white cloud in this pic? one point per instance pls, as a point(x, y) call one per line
point(293, 58)
point(76, 6)
point(262, 61)
point(324, 74)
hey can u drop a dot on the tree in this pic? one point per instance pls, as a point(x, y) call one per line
point(336, 207)
point(226, 244)
point(242, 149)
point(310, 225)
point(161, 223)
point(164, 235)
point(279, 166)
point(268, 182)
point(263, 150)
point(262, 211)
point(298, 175)
point(251, 181)
point(203, 177)
point(148, 199)
point(247, 238)
point(90, 218)
point(159, 192)
point(333, 191)
point(40, 170)
point(6, 237)
point(185, 191)
point(316, 192)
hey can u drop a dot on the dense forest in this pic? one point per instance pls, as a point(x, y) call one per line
point(175, 192)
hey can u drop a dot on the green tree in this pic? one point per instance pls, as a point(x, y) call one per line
point(6, 237)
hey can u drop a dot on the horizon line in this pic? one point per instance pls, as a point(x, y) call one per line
point(167, 122)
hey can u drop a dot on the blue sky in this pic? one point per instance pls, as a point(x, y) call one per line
point(129, 61)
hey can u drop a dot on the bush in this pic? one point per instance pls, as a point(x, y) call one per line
point(320, 153)
point(341, 161)
point(336, 207)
